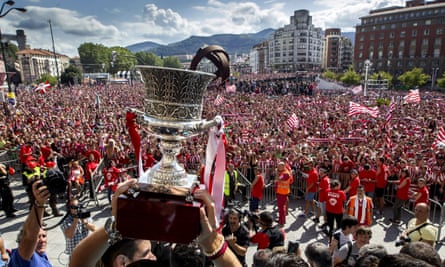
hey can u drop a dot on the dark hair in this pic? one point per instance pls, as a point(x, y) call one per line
point(335, 183)
point(186, 256)
point(261, 257)
point(422, 251)
point(363, 230)
point(348, 221)
point(286, 260)
point(368, 261)
point(234, 212)
point(402, 260)
point(125, 247)
point(318, 253)
point(267, 218)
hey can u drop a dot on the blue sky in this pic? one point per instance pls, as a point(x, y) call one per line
point(122, 23)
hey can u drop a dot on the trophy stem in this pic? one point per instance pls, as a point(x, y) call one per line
point(168, 171)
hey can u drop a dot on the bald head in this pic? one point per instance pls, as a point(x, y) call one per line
point(421, 211)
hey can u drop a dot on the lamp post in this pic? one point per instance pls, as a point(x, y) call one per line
point(433, 78)
point(367, 65)
point(2, 14)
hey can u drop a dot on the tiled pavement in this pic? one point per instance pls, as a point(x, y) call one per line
point(297, 228)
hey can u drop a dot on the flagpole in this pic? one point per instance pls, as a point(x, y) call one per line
point(54, 53)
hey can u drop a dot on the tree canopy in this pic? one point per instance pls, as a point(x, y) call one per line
point(414, 78)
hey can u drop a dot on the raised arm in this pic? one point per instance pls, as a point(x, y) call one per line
point(33, 222)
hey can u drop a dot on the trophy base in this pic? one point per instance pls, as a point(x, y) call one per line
point(161, 213)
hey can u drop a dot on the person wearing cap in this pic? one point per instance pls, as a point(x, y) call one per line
point(30, 174)
point(282, 191)
point(268, 236)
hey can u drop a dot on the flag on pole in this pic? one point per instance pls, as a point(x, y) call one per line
point(440, 138)
point(97, 101)
point(293, 121)
point(218, 100)
point(355, 108)
point(413, 97)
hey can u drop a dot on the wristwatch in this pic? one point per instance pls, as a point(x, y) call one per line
point(110, 228)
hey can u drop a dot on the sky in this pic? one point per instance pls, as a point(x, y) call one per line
point(123, 23)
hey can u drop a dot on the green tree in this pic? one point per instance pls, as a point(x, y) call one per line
point(329, 75)
point(441, 81)
point(350, 77)
point(147, 58)
point(94, 57)
point(172, 62)
point(414, 78)
point(382, 75)
point(71, 75)
point(47, 78)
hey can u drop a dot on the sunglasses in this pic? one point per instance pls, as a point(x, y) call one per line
point(74, 207)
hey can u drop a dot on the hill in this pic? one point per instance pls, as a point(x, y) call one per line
point(232, 43)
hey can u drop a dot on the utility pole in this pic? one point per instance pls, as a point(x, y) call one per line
point(54, 53)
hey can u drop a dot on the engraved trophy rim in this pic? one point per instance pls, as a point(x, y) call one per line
point(176, 69)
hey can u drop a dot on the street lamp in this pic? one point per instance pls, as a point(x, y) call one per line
point(433, 78)
point(2, 14)
point(367, 65)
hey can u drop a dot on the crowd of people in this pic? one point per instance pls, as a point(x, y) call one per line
point(340, 157)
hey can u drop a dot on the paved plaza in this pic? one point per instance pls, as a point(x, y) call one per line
point(297, 228)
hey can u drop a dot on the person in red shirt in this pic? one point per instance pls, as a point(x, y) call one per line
point(335, 200)
point(90, 167)
point(111, 178)
point(257, 191)
point(323, 186)
point(402, 194)
point(311, 187)
point(422, 194)
point(367, 179)
point(351, 190)
point(381, 181)
point(25, 153)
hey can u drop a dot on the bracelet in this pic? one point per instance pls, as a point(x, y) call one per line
point(220, 252)
point(113, 234)
point(38, 205)
point(218, 249)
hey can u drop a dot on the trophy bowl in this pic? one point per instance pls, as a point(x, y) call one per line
point(162, 206)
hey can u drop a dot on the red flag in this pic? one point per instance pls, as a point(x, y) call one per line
point(134, 137)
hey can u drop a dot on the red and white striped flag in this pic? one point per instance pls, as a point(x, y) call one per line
point(355, 108)
point(293, 121)
point(440, 138)
point(412, 97)
point(218, 100)
point(392, 107)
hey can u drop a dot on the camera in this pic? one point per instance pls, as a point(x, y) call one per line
point(81, 213)
point(402, 241)
point(55, 182)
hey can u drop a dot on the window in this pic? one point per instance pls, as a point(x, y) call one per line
point(391, 44)
point(391, 35)
point(439, 31)
point(426, 32)
point(425, 42)
point(436, 52)
point(438, 42)
point(393, 26)
point(402, 43)
point(402, 34)
point(400, 54)
point(414, 33)
point(428, 22)
point(412, 43)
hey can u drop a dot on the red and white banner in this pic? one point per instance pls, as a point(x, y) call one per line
point(293, 121)
point(440, 139)
point(218, 100)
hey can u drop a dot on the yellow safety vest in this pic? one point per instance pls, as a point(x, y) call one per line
point(30, 176)
point(227, 182)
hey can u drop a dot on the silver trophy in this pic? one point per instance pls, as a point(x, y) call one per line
point(161, 206)
point(173, 110)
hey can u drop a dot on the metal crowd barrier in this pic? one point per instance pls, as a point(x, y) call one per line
point(10, 158)
point(437, 210)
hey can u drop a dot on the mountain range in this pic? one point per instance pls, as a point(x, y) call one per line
point(232, 43)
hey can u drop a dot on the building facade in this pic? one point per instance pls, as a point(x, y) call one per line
point(337, 51)
point(398, 39)
point(36, 62)
point(259, 58)
point(297, 46)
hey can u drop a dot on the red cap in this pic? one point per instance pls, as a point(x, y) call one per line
point(50, 164)
point(31, 164)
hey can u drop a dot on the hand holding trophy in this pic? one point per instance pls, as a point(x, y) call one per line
point(161, 205)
